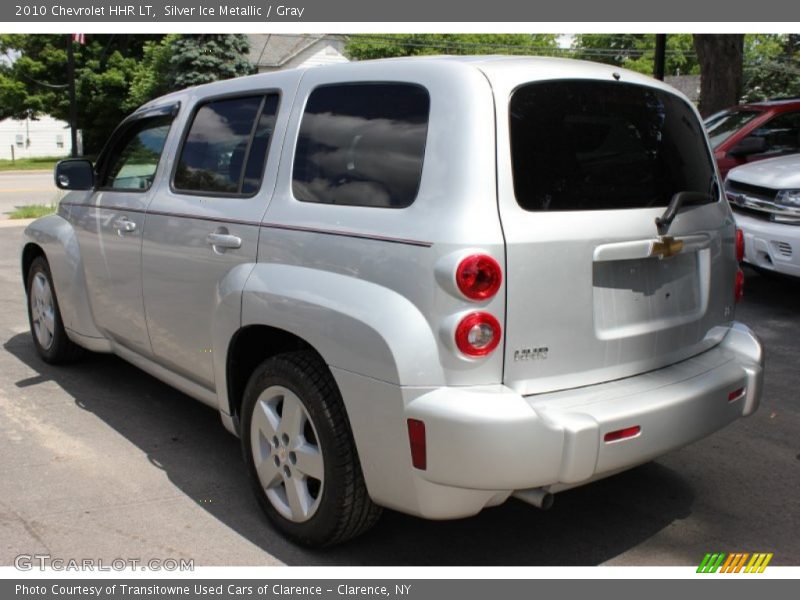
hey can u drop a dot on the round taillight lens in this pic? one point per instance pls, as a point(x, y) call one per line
point(479, 277)
point(478, 334)
point(738, 288)
point(739, 245)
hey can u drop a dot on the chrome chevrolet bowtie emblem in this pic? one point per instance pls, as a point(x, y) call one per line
point(666, 247)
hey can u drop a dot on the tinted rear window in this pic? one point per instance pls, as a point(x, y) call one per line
point(362, 144)
point(590, 145)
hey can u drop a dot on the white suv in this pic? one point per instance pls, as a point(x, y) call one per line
point(425, 284)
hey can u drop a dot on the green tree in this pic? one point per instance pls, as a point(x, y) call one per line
point(179, 61)
point(368, 46)
point(771, 66)
point(113, 74)
point(33, 79)
point(637, 51)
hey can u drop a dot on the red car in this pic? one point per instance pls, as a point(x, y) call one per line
point(751, 132)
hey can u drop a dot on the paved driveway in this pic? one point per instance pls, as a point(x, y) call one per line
point(18, 188)
point(100, 460)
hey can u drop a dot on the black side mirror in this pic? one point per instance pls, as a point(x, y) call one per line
point(74, 174)
point(749, 145)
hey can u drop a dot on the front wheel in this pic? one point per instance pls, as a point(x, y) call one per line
point(44, 316)
point(300, 452)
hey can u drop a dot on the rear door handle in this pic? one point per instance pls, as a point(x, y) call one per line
point(124, 225)
point(224, 240)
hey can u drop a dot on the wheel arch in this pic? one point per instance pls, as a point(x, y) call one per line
point(248, 348)
point(54, 238)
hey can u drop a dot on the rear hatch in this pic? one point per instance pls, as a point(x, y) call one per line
point(594, 293)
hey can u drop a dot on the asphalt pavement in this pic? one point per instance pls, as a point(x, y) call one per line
point(19, 188)
point(100, 460)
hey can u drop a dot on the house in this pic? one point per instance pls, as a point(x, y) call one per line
point(688, 84)
point(33, 137)
point(272, 52)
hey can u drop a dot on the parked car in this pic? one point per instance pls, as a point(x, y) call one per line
point(753, 132)
point(765, 198)
point(423, 284)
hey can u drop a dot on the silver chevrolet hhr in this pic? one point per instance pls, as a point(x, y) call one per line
point(426, 284)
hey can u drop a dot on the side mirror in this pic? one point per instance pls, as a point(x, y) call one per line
point(74, 174)
point(749, 145)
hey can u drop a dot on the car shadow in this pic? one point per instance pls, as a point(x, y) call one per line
point(768, 294)
point(185, 439)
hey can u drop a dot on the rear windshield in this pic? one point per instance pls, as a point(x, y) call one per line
point(723, 125)
point(592, 145)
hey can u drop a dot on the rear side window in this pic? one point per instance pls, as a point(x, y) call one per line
point(362, 144)
point(225, 149)
point(591, 145)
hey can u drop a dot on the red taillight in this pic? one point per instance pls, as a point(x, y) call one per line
point(738, 287)
point(478, 334)
point(622, 434)
point(739, 245)
point(479, 277)
point(736, 394)
point(416, 439)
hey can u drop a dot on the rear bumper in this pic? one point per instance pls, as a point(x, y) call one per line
point(486, 443)
point(773, 246)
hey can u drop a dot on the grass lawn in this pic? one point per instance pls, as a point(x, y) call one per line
point(30, 164)
point(32, 211)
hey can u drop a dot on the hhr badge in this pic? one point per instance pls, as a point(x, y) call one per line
point(530, 354)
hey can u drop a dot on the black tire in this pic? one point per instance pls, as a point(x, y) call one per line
point(60, 349)
point(342, 508)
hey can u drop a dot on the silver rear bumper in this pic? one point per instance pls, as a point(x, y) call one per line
point(492, 440)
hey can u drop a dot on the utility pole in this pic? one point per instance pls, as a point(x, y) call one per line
point(73, 106)
point(660, 58)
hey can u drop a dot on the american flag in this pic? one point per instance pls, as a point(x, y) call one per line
point(79, 37)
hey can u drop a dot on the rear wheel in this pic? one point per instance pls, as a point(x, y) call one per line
point(44, 316)
point(300, 452)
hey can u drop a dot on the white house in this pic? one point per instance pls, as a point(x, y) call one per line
point(28, 138)
point(272, 52)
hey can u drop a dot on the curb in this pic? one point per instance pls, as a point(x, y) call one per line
point(8, 223)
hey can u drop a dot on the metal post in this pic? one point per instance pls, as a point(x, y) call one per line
point(660, 58)
point(73, 106)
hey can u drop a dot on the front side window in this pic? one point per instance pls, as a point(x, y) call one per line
point(133, 162)
point(595, 145)
point(781, 134)
point(362, 144)
point(723, 125)
point(226, 147)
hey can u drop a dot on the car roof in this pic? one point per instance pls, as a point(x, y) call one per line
point(495, 68)
point(777, 103)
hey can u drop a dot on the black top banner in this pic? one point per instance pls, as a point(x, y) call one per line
point(417, 11)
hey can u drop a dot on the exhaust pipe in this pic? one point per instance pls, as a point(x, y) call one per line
point(538, 497)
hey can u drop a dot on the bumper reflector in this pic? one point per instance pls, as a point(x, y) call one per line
point(416, 439)
point(736, 394)
point(622, 434)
